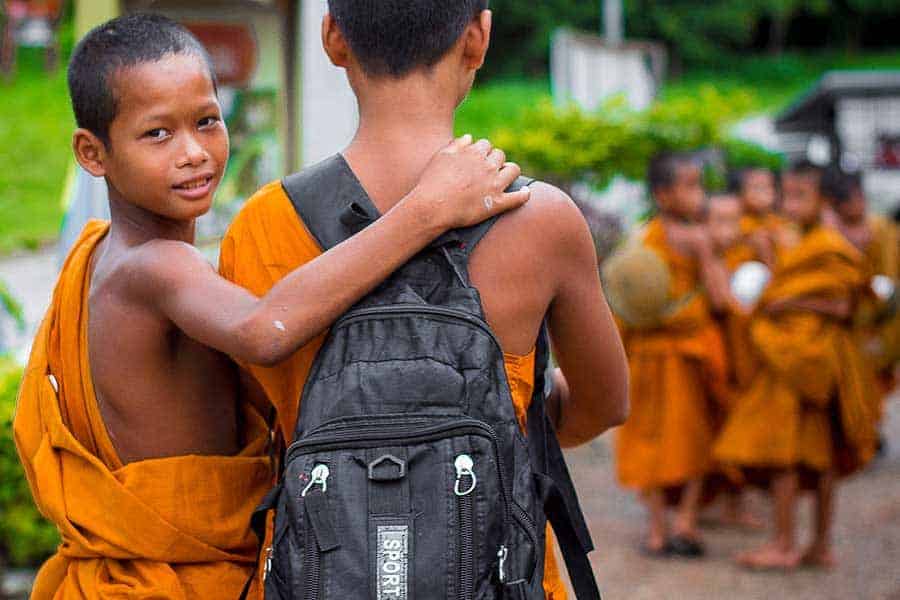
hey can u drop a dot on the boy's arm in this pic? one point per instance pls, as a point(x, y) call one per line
point(714, 274)
point(835, 308)
point(178, 281)
point(593, 395)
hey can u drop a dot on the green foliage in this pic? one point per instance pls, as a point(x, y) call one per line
point(569, 145)
point(12, 306)
point(35, 135)
point(697, 32)
point(26, 538)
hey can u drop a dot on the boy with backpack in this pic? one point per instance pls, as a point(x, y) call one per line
point(413, 409)
point(132, 424)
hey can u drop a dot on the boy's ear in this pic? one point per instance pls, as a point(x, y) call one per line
point(477, 40)
point(335, 43)
point(90, 152)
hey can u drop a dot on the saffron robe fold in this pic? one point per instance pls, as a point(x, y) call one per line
point(266, 241)
point(678, 371)
point(811, 401)
point(175, 528)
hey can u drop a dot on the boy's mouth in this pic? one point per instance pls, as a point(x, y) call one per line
point(197, 187)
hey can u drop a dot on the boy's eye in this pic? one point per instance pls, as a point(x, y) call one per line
point(208, 121)
point(157, 134)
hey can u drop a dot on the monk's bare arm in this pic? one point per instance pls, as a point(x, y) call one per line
point(592, 389)
point(176, 280)
point(835, 308)
point(713, 274)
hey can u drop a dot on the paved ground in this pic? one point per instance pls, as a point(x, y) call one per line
point(867, 540)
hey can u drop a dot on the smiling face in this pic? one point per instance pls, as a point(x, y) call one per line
point(168, 145)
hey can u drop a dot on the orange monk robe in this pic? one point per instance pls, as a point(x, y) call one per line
point(811, 402)
point(266, 242)
point(735, 325)
point(876, 332)
point(676, 370)
point(174, 528)
point(768, 222)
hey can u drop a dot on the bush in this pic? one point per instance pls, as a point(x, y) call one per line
point(26, 539)
point(568, 145)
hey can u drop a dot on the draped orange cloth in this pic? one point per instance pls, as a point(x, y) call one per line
point(677, 372)
point(811, 402)
point(266, 241)
point(752, 223)
point(742, 361)
point(163, 528)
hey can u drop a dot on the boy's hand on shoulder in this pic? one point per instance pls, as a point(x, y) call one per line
point(465, 184)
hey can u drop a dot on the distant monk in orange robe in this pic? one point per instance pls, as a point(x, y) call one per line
point(723, 220)
point(133, 424)
point(677, 365)
point(807, 415)
point(760, 222)
point(876, 237)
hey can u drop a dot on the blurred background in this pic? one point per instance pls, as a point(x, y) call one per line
point(580, 92)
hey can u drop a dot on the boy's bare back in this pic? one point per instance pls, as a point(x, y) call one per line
point(160, 392)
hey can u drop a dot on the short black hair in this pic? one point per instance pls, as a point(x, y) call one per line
point(120, 43)
point(663, 168)
point(737, 179)
point(838, 185)
point(395, 37)
point(805, 168)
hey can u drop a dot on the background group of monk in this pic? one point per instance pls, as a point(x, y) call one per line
point(783, 392)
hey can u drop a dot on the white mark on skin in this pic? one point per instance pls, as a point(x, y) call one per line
point(279, 326)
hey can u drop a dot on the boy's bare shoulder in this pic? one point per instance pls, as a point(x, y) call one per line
point(550, 221)
point(156, 268)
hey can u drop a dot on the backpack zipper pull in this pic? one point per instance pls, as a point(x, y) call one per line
point(268, 567)
point(319, 476)
point(464, 466)
point(502, 554)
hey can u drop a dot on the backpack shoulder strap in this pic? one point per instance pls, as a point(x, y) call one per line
point(330, 201)
point(554, 482)
point(462, 242)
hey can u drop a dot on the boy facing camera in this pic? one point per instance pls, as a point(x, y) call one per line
point(133, 422)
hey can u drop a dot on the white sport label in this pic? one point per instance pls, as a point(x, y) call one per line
point(393, 562)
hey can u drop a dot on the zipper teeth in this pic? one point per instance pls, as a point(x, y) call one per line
point(466, 550)
point(313, 562)
point(399, 309)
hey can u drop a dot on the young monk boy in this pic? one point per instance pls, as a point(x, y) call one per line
point(131, 424)
point(723, 221)
point(876, 238)
point(677, 365)
point(811, 381)
point(410, 65)
point(757, 191)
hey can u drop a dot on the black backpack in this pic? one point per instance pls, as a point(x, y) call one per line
point(408, 477)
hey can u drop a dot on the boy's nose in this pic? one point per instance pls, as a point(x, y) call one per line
point(194, 153)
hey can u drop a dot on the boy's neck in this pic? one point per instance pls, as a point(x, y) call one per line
point(402, 124)
point(669, 217)
point(132, 225)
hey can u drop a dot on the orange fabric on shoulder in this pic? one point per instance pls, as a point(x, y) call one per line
point(266, 241)
point(676, 369)
point(162, 528)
